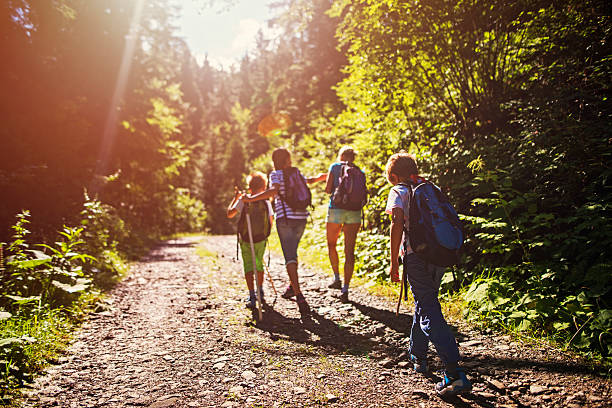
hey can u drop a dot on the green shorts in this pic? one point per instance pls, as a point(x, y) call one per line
point(340, 216)
point(247, 260)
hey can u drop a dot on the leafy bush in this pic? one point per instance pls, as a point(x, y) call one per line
point(372, 259)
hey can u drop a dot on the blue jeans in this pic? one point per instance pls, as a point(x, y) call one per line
point(428, 323)
point(290, 232)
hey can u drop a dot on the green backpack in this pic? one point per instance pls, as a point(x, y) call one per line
point(260, 222)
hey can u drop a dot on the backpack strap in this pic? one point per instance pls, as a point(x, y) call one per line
point(280, 196)
point(268, 253)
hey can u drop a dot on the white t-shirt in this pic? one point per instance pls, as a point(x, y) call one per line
point(280, 207)
point(399, 198)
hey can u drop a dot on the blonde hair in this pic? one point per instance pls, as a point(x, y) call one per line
point(402, 164)
point(257, 181)
point(347, 153)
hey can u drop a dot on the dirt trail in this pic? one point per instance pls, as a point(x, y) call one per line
point(177, 334)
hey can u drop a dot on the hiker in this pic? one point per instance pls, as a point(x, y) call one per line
point(424, 278)
point(344, 215)
point(261, 216)
point(291, 199)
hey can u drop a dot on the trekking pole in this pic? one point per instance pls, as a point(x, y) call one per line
point(402, 289)
point(257, 283)
point(271, 281)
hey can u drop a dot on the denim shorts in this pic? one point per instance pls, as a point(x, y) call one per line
point(289, 233)
point(340, 216)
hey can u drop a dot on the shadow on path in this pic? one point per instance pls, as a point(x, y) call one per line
point(331, 337)
point(403, 322)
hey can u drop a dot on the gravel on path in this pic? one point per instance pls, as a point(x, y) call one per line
point(176, 333)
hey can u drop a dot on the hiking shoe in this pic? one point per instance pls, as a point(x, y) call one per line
point(336, 284)
point(251, 303)
point(450, 387)
point(303, 306)
point(419, 364)
point(289, 293)
point(343, 297)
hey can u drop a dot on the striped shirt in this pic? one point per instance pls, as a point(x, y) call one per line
point(280, 207)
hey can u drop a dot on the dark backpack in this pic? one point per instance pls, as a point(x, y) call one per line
point(351, 193)
point(260, 222)
point(297, 194)
point(435, 232)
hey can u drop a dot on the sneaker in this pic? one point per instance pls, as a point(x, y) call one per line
point(303, 306)
point(450, 387)
point(251, 303)
point(419, 364)
point(336, 284)
point(343, 297)
point(289, 293)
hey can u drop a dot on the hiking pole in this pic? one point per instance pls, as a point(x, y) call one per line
point(402, 290)
point(271, 281)
point(257, 283)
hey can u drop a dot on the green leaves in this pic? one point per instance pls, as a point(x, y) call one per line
point(81, 285)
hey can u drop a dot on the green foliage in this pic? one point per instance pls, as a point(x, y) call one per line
point(26, 343)
point(372, 261)
point(33, 280)
point(505, 107)
point(541, 304)
point(42, 291)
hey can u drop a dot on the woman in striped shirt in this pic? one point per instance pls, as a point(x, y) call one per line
point(290, 222)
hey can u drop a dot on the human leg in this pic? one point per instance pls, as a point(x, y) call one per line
point(350, 237)
point(424, 283)
point(245, 249)
point(290, 232)
point(333, 232)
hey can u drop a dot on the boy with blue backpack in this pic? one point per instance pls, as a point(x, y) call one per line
point(426, 225)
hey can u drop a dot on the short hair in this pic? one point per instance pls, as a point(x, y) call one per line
point(347, 153)
point(280, 157)
point(402, 164)
point(257, 181)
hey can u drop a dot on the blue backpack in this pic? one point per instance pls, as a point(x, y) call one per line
point(297, 194)
point(351, 193)
point(435, 232)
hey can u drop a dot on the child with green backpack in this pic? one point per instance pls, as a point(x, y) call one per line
point(261, 217)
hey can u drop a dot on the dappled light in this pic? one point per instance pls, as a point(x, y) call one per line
point(131, 129)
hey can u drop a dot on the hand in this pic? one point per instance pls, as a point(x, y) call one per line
point(237, 192)
point(394, 272)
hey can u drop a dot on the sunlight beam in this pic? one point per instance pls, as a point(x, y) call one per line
point(110, 127)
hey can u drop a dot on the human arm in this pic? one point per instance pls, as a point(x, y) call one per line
point(232, 208)
point(329, 187)
point(317, 178)
point(397, 230)
point(270, 212)
point(264, 195)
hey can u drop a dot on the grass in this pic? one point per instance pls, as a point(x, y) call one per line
point(30, 342)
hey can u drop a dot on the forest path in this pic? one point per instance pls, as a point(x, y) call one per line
point(177, 334)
